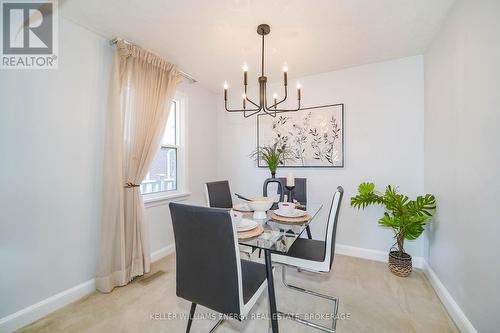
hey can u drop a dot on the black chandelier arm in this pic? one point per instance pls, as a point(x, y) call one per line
point(251, 114)
point(248, 99)
point(271, 113)
point(239, 110)
point(242, 110)
point(290, 110)
point(278, 103)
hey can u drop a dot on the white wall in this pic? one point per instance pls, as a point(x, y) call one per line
point(51, 135)
point(383, 143)
point(51, 132)
point(462, 161)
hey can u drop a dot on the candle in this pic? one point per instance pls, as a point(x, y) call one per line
point(285, 74)
point(245, 71)
point(290, 180)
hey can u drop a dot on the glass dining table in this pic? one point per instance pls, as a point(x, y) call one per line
point(278, 237)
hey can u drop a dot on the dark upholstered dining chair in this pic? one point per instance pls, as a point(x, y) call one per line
point(218, 194)
point(299, 193)
point(314, 256)
point(209, 269)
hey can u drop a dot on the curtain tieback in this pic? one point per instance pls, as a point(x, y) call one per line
point(131, 185)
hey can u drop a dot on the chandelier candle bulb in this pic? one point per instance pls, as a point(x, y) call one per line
point(285, 74)
point(245, 72)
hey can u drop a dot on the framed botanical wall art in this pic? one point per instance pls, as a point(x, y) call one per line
point(314, 137)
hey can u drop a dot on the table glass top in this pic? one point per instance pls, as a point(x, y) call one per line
point(279, 236)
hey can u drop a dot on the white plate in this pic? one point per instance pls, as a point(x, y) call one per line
point(242, 207)
point(246, 225)
point(295, 213)
point(236, 216)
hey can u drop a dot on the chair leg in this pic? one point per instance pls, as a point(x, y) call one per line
point(190, 320)
point(216, 325)
point(308, 230)
point(314, 293)
point(191, 315)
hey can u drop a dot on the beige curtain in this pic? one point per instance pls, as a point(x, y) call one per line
point(141, 92)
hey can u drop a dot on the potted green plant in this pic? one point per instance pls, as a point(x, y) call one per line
point(273, 155)
point(406, 217)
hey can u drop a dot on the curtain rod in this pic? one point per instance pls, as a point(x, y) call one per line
point(183, 74)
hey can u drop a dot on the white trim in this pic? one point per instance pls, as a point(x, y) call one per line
point(38, 310)
point(162, 253)
point(456, 313)
point(370, 254)
point(183, 144)
point(165, 198)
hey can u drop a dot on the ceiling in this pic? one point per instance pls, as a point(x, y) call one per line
point(211, 40)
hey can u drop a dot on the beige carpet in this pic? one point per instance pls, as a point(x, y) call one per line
point(372, 299)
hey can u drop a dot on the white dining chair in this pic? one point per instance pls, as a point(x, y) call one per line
point(314, 256)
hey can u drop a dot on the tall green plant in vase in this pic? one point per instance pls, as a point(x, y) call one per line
point(407, 218)
point(274, 156)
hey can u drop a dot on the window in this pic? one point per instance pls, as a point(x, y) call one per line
point(163, 175)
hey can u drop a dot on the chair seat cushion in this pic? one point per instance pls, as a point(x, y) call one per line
point(308, 249)
point(253, 274)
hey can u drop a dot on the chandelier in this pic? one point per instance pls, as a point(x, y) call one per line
point(262, 108)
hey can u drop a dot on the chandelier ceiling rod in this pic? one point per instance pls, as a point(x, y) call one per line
point(262, 107)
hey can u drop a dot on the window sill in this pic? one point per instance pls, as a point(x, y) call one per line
point(158, 200)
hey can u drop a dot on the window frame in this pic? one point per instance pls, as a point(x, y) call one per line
point(151, 199)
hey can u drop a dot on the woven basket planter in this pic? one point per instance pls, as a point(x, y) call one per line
point(400, 264)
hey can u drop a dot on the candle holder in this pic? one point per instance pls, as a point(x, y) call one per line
point(290, 189)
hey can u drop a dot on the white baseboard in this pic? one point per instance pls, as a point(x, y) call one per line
point(456, 313)
point(38, 310)
point(162, 253)
point(370, 254)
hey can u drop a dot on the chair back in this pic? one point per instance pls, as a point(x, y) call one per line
point(331, 229)
point(207, 259)
point(218, 194)
point(299, 193)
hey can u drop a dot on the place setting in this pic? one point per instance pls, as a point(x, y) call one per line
point(245, 227)
point(289, 214)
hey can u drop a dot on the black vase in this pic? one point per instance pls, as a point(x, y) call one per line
point(281, 189)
